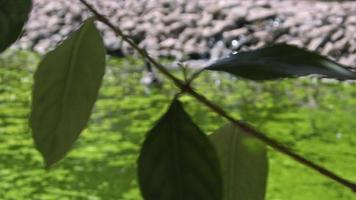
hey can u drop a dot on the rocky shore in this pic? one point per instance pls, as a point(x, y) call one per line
point(203, 29)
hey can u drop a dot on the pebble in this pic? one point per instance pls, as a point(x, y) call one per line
point(186, 29)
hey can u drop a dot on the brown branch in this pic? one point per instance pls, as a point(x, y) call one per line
point(217, 109)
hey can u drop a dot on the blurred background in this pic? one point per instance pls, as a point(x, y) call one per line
point(203, 29)
point(311, 116)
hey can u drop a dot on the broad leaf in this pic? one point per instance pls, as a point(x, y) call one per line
point(244, 164)
point(280, 61)
point(177, 160)
point(65, 89)
point(13, 15)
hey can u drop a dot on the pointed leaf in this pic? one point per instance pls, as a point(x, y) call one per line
point(244, 163)
point(65, 89)
point(13, 15)
point(280, 61)
point(177, 160)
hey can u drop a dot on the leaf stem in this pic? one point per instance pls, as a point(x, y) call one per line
point(217, 109)
point(194, 76)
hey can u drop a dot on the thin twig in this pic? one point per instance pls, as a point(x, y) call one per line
point(217, 109)
point(194, 76)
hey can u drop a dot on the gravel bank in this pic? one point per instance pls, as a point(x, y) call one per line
point(203, 29)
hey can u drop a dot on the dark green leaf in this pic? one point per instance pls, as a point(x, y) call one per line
point(66, 87)
point(177, 160)
point(280, 61)
point(13, 15)
point(244, 163)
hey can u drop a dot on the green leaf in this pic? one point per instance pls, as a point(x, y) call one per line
point(280, 61)
point(65, 89)
point(13, 15)
point(244, 163)
point(177, 160)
